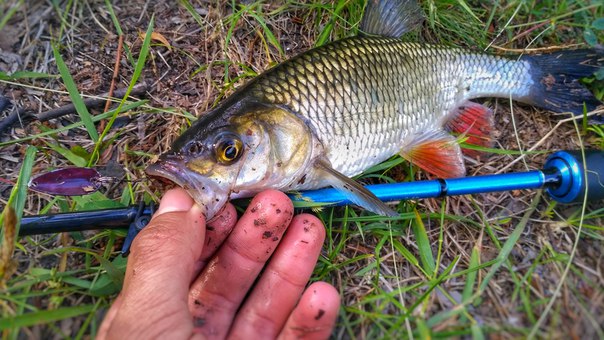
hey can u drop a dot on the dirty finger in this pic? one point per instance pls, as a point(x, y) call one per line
point(218, 292)
point(276, 293)
point(315, 315)
point(216, 232)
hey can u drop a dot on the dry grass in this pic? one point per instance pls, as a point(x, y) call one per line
point(384, 293)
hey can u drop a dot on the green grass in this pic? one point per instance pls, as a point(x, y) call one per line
point(477, 267)
point(77, 100)
point(8, 13)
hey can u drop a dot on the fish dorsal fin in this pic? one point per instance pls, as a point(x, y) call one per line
point(436, 152)
point(475, 121)
point(354, 191)
point(391, 18)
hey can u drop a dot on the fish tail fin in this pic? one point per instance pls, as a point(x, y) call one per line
point(556, 76)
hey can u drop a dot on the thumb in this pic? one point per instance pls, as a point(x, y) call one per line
point(160, 269)
point(164, 254)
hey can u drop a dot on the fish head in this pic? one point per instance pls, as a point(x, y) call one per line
point(237, 155)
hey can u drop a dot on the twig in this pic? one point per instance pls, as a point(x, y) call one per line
point(90, 102)
point(536, 49)
point(13, 117)
point(116, 69)
point(4, 103)
point(522, 34)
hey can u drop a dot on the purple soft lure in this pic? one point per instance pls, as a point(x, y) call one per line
point(67, 182)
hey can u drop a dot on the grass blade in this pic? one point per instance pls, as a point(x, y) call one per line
point(44, 317)
point(19, 193)
point(423, 244)
point(468, 289)
point(468, 10)
point(75, 96)
point(192, 11)
point(114, 20)
point(324, 36)
point(115, 274)
point(423, 329)
point(477, 333)
point(25, 75)
point(118, 29)
point(9, 14)
point(405, 252)
point(471, 277)
point(269, 34)
point(509, 244)
point(68, 154)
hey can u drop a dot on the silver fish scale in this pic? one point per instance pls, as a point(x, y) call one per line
point(367, 98)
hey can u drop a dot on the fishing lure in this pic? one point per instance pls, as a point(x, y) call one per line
point(74, 181)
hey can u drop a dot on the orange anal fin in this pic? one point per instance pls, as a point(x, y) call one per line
point(437, 153)
point(475, 121)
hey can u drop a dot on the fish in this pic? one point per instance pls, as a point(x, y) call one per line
point(328, 114)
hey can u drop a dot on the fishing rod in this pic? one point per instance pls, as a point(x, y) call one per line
point(566, 176)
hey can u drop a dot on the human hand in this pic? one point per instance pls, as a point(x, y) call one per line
point(185, 280)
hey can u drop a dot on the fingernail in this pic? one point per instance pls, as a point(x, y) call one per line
point(174, 200)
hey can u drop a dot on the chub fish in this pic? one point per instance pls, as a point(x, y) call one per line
point(328, 114)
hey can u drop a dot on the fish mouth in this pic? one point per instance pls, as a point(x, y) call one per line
point(210, 197)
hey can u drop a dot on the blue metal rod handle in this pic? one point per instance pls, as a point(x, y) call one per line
point(435, 188)
point(563, 177)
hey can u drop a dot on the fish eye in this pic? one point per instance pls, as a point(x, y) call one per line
point(228, 148)
point(193, 148)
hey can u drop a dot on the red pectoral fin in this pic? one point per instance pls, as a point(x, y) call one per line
point(475, 121)
point(437, 153)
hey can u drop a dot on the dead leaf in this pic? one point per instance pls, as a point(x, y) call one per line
point(158, 37)
point(7, 248)
point(89, 188)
